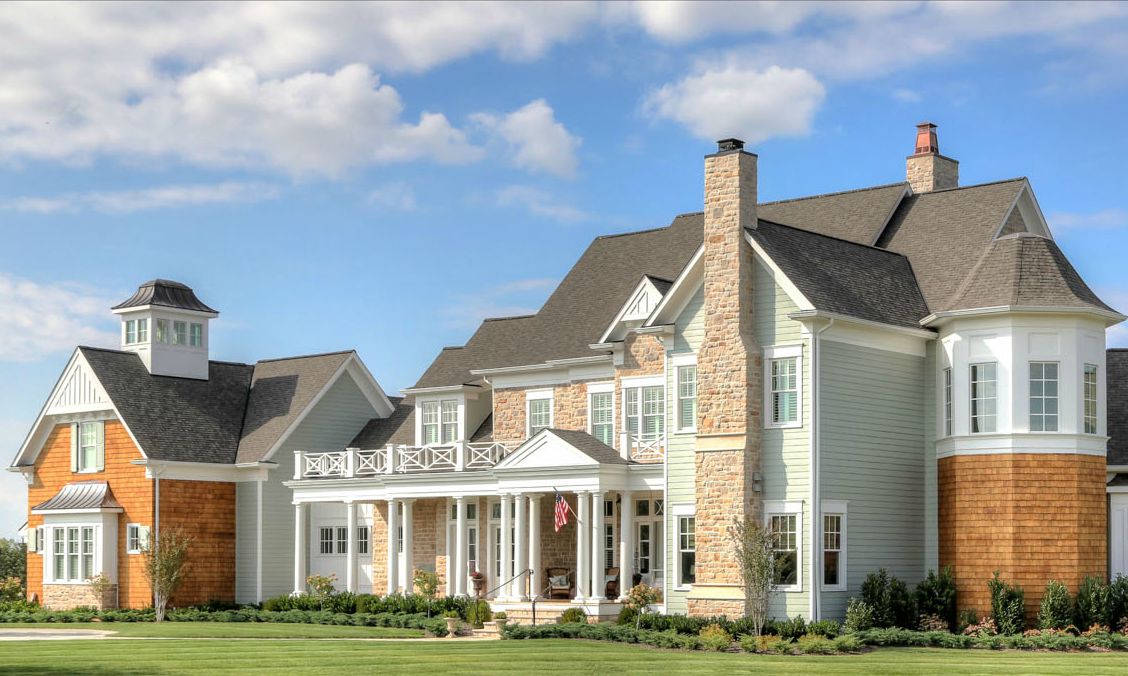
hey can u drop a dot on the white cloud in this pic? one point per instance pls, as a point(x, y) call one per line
point(537, 142)
point(129, 201)
point(396, 195)
point(541, 203)
point(730, 100)
point(1064, 221)
point(37, 320)
point(511, 299)
point(906, 95)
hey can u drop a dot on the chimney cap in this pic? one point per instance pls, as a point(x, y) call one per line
point(729, 144)
point(926, 139)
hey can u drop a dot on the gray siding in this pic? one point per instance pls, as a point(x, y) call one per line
point(931, 417)
point(330, 426)
point(872, 453)
point(246, 541)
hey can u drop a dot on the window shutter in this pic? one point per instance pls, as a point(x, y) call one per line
point(74, 447)
point(101, 461)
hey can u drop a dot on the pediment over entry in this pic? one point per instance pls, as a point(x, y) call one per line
point(552, 448)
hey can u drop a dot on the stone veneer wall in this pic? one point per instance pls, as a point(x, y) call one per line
point(429, 536)
point(67, 596)
point(1035, 517)
point(643, 355)
point(728, 383)
point(569, 409)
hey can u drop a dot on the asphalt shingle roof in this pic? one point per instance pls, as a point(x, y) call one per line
point(398, 428)
point(1116, 370)
point(854, 215)
point(590, 446)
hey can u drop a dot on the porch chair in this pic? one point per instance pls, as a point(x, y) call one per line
point(611, 591)
point(559, 583)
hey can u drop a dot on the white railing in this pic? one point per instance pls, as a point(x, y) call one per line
point(354, 462)
point(643, 448)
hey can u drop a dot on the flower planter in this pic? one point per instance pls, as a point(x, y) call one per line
point(452, 626)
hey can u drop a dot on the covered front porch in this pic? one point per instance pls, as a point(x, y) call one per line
point(492, 533)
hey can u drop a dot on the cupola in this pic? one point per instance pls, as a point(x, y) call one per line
point(167, 326)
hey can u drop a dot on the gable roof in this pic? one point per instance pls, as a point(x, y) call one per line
point(281, 390)
point(839, 276)
point(590, 446)
point(398, 428)
point(853, 215)
point(208, 415)
point(1116, 370)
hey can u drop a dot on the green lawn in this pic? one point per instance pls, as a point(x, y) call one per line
point(524, 657)
point(226, 630)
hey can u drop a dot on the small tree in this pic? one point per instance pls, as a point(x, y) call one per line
point(166, 561)
point(1056, 610)
point(322, 587)
point(639, 598)
point(755, 554)
point(427, 584)
point(101, 585)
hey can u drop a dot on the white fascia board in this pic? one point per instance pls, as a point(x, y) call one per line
point(681, 290)
point(941, 318)
point(643, 285)
point(792, 291)
point(165, 308)
point(369, 385)
point(465, 388)
point(543, 366)
point(1116, 468)
point(91, 510)
point(204, 471)
point(804, 315)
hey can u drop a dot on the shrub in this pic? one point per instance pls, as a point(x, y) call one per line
point(478, 613)
point(627, 615)
point(1118, 601)
point(1007, 605)
point(813, 644)
point(848, 643)
point(451, 615)
point(715, 638)
point(890, 599)
point(936, 595)
point(825, 628)
point(767, 644)
point(341, 602)
point(966, 618)
point(500, 615)
point(859, 616)
point(1092, 603)
point(573, 615)
point(793, 628)
point(1056, 611)
point(984, 627)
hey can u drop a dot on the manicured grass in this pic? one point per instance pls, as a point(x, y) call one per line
point(227, 630)
point(511, 657)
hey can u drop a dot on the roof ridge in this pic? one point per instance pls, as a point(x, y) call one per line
point(306, 356)
point(634, 232)
point(104, 349)
point(826, 236)
point(833, 194)
point(507, 318)
point(970, 277)
point(974, 185)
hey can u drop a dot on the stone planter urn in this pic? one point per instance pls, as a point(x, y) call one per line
point(479, 586)
point(452, 626)
point(501, 625)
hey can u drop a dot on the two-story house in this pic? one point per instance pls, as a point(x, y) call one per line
point(905, 376)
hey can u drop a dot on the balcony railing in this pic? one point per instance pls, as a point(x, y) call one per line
point(644, 448)
point(355, 462)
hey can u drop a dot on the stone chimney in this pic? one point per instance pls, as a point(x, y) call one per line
point(729, 369)
point(926, 169)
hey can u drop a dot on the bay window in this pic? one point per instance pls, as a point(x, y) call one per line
point(1043, 396)
point(1090, 396)
point(983, 397)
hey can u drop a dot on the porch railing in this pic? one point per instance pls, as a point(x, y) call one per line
point(643, 448)
point(400, 459)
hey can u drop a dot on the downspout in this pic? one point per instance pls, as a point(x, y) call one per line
point(815, 597)
point(156, 517)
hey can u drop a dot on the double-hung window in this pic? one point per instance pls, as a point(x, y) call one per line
point(342, 540)
point(362, 536)
point(687, 545)
point(540, 411)
point(74, 551)
point(325, 539)
point(687, 397)
point(983, 397)
point(196, 335)
point(602, 408)
point(784, 368)
point(440, 421)
point(59, 552)
point(834, 548)
point(89, 446)
point(142, 330)
point(130, 331)
point(1090, 396)
point(449, 412)
point(1043, 396)
point(947, 402)
point(645, 411)
point(162, 330)
point(136, 538)
point(785, 527)
point(179, 333)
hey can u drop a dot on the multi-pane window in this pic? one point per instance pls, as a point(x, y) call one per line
point(362, 535)
point(609, 545)
point(90, 450)
point(430, 422)
point(687, 397)
point(785, 391)
point(687, 550)
point(342, 540)
point(179, 333)
point(59, 551)
point(130, 331)
point(87, 552)
point(162, 330)
point(196, 335)
point(540, 415)
point(785, 545)
point(1043, 396)
point(832, 550)
point(142, 330)
point(602, 417)
point(325, 540)
point(135, 538)
point(948, 402)
point(449, 412)
point(72, 553)
point(983, 397)
point(645, 410)
point(1090, 395)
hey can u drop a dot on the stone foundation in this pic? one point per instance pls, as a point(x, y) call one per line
point(68, 596)
point(715, 607)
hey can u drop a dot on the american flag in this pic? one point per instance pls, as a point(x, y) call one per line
point(562, 510)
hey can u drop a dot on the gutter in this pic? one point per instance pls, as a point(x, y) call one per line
point(1107, 315)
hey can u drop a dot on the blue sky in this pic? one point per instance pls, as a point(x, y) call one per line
point(381, 177)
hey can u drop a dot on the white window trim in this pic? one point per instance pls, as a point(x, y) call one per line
point(97, 565)
point(783, 352)
point(782, 507)
point(677, 511)
point(971, 397)
point(642, 381)
point(837, 508)
point(1085, 366)
point(602, 388)
point(437, 400)
point(142, 537)
point(677, 361)
point(99, 450)
point(947, 402)
point(1030, 398)
point(539, 395)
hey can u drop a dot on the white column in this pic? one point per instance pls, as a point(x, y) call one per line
point(299, 548)
point(350, 547)
point(393, 553)
point(535, 584)
point(449, 548)
point(460, 546)
point(522, 549)
point(408, 545)
point(506, 545)
point(626, 543)
point(597, 560)
point(583, 560)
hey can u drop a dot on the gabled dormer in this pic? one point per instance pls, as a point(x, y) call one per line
point(167, 326)
point(640, 303)
point(1024, 216)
